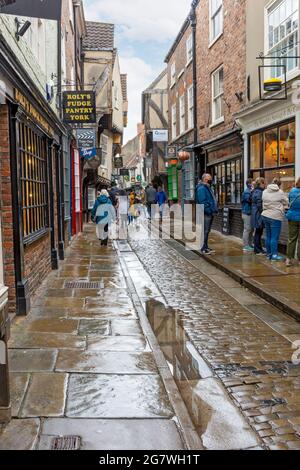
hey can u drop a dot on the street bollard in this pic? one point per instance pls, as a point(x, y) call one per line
point(5, 405)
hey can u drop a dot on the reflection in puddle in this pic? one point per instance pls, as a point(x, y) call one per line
point(216, 419)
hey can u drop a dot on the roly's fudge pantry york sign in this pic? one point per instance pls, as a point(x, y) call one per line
point(79, 107)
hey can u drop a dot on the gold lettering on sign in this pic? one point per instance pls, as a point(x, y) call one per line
point(32, 111)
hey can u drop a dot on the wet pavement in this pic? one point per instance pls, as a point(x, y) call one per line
point(167, 352)
point(244, 341)
point(81, 363)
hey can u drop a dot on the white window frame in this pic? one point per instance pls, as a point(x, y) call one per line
point(190, 95)
point(182, 114)
point(215, 97)
point(104, 147)
point(269, 9)
point(212, 16)
point(173, 74)
point(189, 49)
point(174, 121)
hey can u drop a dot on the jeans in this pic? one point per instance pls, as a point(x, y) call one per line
point(248, 231)
point(294, 240)
point(258, 248)
point(273, 230)
point(208, 221)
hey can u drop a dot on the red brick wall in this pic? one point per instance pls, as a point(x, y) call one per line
point(6, 207)
point(182, 83)
point(230, 51)
point(37, 262)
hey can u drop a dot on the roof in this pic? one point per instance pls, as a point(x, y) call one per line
point(99, 36)
point(124, 86)
point(156, 81)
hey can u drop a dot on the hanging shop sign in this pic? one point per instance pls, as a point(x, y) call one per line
point(124, 172)
point(32, 112)
point(88, 153)
point(148, 162)
point(118, 163)
point(172, 151)
point(86, 138)
point(48, 9)
point(160, 135)
point(139, 178)
point(79, 107)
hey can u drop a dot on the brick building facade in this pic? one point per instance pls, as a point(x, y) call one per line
point(181, 106)
point(222, 92)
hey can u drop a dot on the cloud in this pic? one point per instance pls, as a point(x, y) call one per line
point(141, 20)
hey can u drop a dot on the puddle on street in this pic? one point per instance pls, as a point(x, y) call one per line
point(217, 421)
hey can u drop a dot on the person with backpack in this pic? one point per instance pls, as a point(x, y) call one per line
point(246, 216)
point(275, 202)
point(293, 216)
point(103, 214)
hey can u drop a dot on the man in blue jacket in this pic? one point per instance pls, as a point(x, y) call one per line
point(206, 197)
point(246, 216)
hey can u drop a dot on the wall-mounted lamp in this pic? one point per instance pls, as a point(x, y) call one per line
point(22, 27)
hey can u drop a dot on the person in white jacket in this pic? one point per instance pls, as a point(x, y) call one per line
point(275, 202)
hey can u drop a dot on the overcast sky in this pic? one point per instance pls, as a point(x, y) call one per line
point(145, 30)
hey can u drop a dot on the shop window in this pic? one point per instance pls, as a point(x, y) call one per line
point(283, 34)
point(67, 181)
point(33, 176)
point(255, 144)
point(228, 182)
point(271, 148)
point(286, 175)
point(189, 179)
point(277, 155)
point(287, 144)
point(77, 181)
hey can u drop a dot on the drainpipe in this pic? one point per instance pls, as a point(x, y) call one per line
point(193, 22)
point(59, 155)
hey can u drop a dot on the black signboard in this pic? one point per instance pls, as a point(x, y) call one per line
point(118, 162)
point(86, 138)
point(124, 172)
point(48, 9)
point(79, 107)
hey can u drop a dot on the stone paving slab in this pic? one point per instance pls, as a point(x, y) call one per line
point(104, 313)
point(117, 343)
point(105, 362)
point(113, 434)
point(31, 360)
point(45, 396)
point(18, 386)
point(117, 396)
point(53, 325)
point(20, 434)
point(94, 327)
point(125, 327)
point(32, 340)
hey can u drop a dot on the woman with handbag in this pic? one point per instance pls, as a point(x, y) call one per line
point(293, 216)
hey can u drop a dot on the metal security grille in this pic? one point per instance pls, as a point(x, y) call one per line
point(33, 176)
point(66, 443)
point(83, 285)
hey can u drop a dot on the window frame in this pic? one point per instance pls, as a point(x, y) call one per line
point(189, 49)
point(212, 16)
point(173, 74)
point(220, 187)
point(174, 120)
point(190, 95)
point(220, 119)
point(269, 9)
point(182, 114)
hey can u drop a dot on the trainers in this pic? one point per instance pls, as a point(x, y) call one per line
point(211, 252)
point(260, 253)
point(248, 249)
point(277, 258)
point(206, 252)
point(288, 263)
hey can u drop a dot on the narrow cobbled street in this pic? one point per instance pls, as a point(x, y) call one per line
point(86, 362)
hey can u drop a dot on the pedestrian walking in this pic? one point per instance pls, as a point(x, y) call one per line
point(161, 200)
point(131, 211)
point(275, 203)
point(122, 210)
point(206, 197)
point(150, 194)
point(103, 214)
point(293, 216)
point(246, 215)
point(257, 223)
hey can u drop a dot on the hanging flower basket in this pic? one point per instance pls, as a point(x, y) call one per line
point(184, 156)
